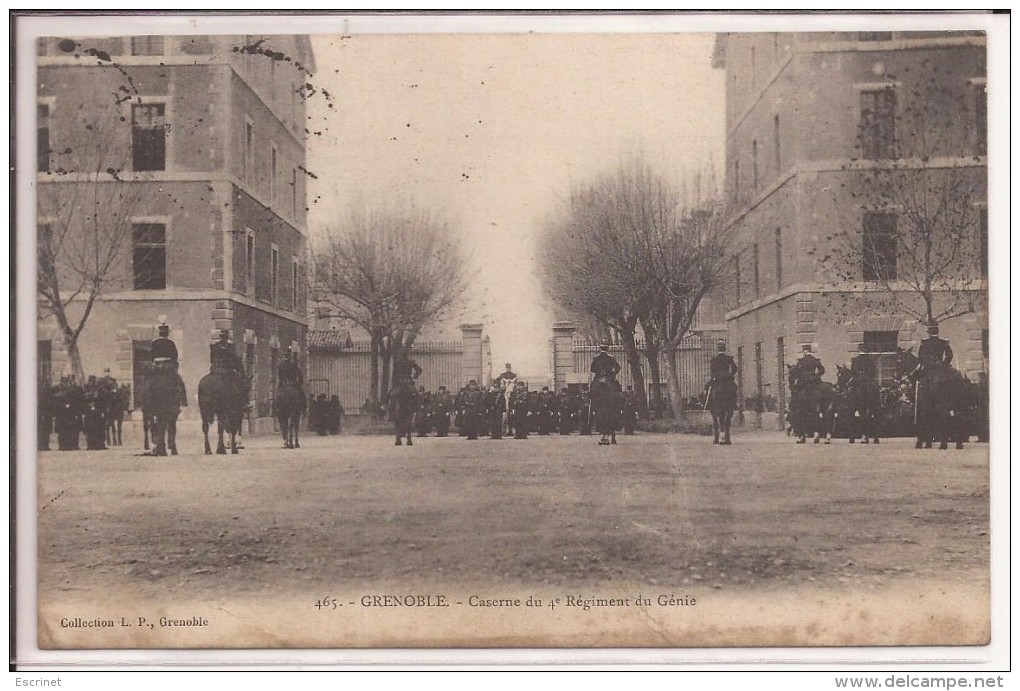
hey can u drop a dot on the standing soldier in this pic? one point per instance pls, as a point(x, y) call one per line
point(548, 410)
point(472, 404)
point(604, 364)
point(568, 411)
point(630, 410)
point(422, 416)
point(336, 412)
point(495, 405)
point(584, 411)
point(45, 415)
point(443, 408)
point(519, 406)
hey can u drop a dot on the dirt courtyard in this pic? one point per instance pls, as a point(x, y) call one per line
point(779, 544)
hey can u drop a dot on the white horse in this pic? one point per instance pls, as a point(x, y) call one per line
point(506, 387)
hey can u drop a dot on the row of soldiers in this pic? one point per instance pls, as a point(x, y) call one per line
point(71, 409)
point(475, 411)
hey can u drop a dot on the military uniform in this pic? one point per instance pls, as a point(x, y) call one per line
point(723, 368)
point(630, 411)
point(442, 408)
point(808, 369)
point(567, 403)
point(288, 371)
point(495, 404)
point(473, 403)
point(519, 407)
point(69, 404)
point(405, 371)
point(423, 416)
point(605, 365)
point(548, 411)
point(336, 412)
point(44, 418)
point(934, 351)
point(584, 412)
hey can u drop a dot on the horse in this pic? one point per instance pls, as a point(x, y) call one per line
point(221, 397)
point(607, 405)
point(861, 403)
point(721, 399)
point(164, 398)
point(941, 398)
point(813, 408)
point(289, 405)
point(402, 405)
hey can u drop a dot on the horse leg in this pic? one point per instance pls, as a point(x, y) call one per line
point(220, 446)
point(205, 433)
point(146, 429)
point(715, 427)
point(171, 435)
point(727, 419)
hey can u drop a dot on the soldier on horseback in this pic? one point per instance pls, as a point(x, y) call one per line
point(224, 359)
point(289, 372)
point(723, 368)
point(604, 365)
point(806, 371)
point(934, 351)
point(405, 371)
point(163, 351)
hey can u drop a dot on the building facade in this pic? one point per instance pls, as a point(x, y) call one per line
point(195, 147)
point(827, 136)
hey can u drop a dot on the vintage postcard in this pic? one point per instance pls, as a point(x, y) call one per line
point(670, 334)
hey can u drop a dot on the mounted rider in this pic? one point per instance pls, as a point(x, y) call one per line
point(506, 380)
point(807, 371)
point(604, 365)
point(722, 368)
point(163, 351)
point(288, 371)
point(405, 372)
point(223, 359)
point(934, 352)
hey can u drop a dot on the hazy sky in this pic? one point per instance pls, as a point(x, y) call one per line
point(491, 130)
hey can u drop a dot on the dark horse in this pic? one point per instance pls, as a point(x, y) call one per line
point(164, 397)
point(941, 398)
point(721, 399)
point(860, 403)
point(288, 406)
point(221, 396)
point(402, 405)
point(813, 408)
point(607, 405)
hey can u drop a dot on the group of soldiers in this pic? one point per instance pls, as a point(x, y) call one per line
point(71, 409)
point(324, 415)
point(508, 406)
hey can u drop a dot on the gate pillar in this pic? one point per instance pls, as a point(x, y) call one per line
point(563, 353)
point(471, 367)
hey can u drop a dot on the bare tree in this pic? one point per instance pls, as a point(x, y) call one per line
point(588, 267)
point(84, 224)
point(392, 271)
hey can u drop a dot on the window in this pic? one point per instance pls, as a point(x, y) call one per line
point(874, 35)
point(44, 361)
point(249, 264)
point(274, 270)
point(781, 371)
point(981, 120)
point(754, 164)
point(740, 373)
point(983, 252)
point(879, 246)
point(779, 258)
point(776, 153)
point(883, 346)
point(148, 136)
point(272, 174)
point(755, 268)
point(736, 275)
point(878, 124)
point(293, 284)
point(42, 124)
point(148, 255)
point(249, 150)
point(146, 45)
point(759, 376)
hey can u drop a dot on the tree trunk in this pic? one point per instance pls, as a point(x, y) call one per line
point(374, 370)
point(673, 381)
point(652, 351)
point(636, 373)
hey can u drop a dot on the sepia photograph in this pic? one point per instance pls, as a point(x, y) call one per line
point(664, 334)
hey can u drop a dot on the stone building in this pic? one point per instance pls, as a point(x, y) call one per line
point(203, 138)
point(810, 119)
